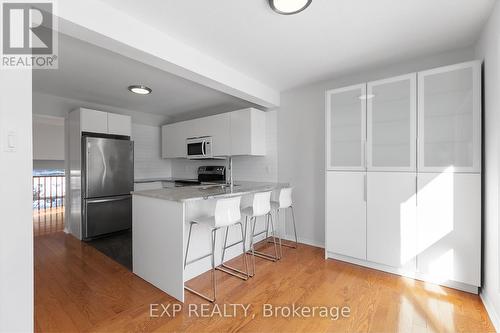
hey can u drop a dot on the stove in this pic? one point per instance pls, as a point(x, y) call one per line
point(210, 174)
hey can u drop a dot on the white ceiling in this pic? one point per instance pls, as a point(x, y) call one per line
point(94, 75)
point(332, 37)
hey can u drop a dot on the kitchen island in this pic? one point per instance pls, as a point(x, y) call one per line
point(160, 223)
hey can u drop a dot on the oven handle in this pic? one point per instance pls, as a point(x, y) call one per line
point(203, 147)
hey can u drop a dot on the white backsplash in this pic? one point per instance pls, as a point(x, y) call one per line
point(147, 153)
point(245, 168)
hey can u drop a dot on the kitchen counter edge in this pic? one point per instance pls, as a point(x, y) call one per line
point(192, 193)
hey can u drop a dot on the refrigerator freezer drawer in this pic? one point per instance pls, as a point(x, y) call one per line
point(106, 215)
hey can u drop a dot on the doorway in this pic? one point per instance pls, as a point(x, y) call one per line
point(49, 181)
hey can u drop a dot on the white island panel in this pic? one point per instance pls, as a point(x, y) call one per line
point(160, 228)
point(157, 243)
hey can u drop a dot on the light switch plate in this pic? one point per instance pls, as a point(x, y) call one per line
point(10, 143)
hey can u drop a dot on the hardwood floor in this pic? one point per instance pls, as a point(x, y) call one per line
point(46, 221)
point(78, 289)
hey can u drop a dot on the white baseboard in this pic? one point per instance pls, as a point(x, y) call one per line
point(305, 241)
point(491, 311)
point(402, 272)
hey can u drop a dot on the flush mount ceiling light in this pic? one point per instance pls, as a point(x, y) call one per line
point(365, 97)
point(140, 89)
point(289, 7)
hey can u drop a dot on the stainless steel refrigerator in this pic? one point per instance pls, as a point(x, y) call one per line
point(107, 180)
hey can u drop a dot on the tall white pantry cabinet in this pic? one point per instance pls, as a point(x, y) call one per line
point(403, 175)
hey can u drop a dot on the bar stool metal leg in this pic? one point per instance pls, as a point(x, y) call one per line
point(294, 229)
point(279, 233)
point(212, 254)
point(270, 218)
point(188, 242)
point(262, 254)
point(252, 249)
point(214, 284)
point(244, 275)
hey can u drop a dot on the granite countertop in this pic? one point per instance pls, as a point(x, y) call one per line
point(201, 192)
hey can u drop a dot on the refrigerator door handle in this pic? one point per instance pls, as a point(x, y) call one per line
point(120, 198)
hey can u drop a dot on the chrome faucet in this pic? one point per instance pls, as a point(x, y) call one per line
point(229, 177)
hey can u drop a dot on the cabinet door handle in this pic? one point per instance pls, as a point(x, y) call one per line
point(416, 190)
point(364, 188)
point(365, 156)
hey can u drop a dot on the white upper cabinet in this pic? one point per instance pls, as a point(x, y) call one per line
point(450, 118)
point(346, 128)
point(119, 124)
point(173, 138)
point(241, 132)
point(93, 121)
point(218, 127)
point(392, 124)
point(248, 132)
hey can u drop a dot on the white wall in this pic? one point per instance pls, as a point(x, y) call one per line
point(488, 49)
point(245, 168)
point(48, 138)
point(301, 138)
point(16, 237)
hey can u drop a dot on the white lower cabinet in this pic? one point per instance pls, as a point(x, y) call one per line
point(391, 219)
point(346, 213)
point(449, 227)
point(427, 225)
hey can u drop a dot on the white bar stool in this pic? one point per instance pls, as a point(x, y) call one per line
point(285, 202)
point(227, 214)
point(261, 207)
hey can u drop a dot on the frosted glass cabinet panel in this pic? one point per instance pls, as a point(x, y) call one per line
point(346, 128)
point(450, 118)
point(392, 124)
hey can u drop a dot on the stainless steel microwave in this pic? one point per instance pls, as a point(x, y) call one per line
point(199, 148)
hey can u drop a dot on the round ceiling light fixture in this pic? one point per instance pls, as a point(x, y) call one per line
point(289, 7)
point(140, 89)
